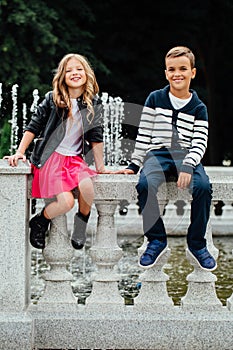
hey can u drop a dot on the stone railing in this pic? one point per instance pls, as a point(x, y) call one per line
point(176, 213)
point(57, 321)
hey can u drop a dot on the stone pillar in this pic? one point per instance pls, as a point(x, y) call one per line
point(105, 254)
point(58, 295)
point(15, 258)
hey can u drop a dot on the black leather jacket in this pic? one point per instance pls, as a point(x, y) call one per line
point(48, 123)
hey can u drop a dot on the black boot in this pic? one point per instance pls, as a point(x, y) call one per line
point(39, 225)
point(78, 237)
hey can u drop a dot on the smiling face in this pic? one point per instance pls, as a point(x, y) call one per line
point(179, 74)
point(75, 77)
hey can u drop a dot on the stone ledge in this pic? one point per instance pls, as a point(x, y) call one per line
point(22, 168)
point(176, 330)
point(16, 331)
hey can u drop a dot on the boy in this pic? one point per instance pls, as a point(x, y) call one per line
point(171, 141)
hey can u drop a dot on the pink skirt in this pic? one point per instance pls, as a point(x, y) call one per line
point(59, 174)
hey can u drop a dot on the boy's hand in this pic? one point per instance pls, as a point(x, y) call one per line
point(184, 180)
point(123, 171)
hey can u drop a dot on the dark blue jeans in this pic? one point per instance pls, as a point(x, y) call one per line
point(158, 167)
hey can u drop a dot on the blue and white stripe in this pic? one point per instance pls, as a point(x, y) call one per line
point(156, 129)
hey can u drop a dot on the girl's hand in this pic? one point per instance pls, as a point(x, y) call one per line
point(104, 171)
point(123, 171)
point(13, 160)
point(108, 171)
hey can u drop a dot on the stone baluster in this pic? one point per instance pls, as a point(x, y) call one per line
point(201, 293)
point(185, 220)
point(222, 224)
point(131, 223)
point(153, 294)
point(227, 211)
point(227, 216)
point(174, 222)
point(230, 300)
point(58, 253)
point(170, 217)
point(105, 254)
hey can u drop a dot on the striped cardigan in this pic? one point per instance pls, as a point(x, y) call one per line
point(163, 126)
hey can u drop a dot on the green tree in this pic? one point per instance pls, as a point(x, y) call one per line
point(26, 40)
point(34, 35)
point(5, 139)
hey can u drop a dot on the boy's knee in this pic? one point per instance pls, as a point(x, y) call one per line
point(142, 185)
point(147, 184)
point(203, 187)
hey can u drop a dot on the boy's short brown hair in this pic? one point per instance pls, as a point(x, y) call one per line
point(181, 51)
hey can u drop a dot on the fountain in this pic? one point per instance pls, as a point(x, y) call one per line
point(13, 121)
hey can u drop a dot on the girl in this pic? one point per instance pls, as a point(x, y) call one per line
point(65, 122)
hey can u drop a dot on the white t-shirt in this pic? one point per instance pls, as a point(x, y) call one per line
point(71, 145)
point(178, 103)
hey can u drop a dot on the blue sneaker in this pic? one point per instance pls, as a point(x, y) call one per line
point(155, 249)
point(204, 259)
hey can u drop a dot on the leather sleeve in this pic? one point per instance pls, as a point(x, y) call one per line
point(40, 116)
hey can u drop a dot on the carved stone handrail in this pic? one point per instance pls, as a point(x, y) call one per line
point(57, 321)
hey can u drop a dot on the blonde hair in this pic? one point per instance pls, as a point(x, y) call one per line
point(60, 90)
point(181, 51)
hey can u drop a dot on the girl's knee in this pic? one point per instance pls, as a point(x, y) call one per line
point(66, 201)
point(86, 186)
point(86, 192)
point(70, 203)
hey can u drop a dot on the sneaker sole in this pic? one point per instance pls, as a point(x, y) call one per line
point(203, 268)
point(156, 260)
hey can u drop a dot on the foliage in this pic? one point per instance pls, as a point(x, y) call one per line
point(26, 41)
point(5, 139)
point(34, 35)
